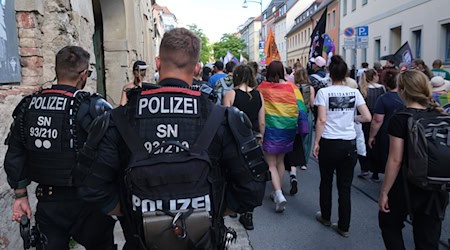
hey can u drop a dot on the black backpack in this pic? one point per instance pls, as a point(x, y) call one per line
point(428, 151)
point(173, 191)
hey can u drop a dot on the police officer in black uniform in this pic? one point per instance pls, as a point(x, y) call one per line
point(173, 111)
point(49, 128)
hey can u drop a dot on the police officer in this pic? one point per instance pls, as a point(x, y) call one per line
point(48, 129)
point(174, 112)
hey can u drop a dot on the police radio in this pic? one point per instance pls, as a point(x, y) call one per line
point(30, 234)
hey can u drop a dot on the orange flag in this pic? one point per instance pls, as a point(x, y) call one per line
point(271, 49)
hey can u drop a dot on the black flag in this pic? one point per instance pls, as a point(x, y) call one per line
point(404, 55)
point(316, 47)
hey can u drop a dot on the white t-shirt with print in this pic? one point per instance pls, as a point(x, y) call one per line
point(340, 104)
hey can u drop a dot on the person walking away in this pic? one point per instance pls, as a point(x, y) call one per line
point(437, 70)
point(419, 64)
point(225, 84)
point(166, 155)
point(139, 72)
point(385, 108)
point(250, 101)
point(401, 193)
point(335, 145)
point(282, 101)
point(49, 129)
point(218, 73)
point(371, 90)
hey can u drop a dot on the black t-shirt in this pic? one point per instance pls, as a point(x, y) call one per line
point(249, 105)
point(398, 125)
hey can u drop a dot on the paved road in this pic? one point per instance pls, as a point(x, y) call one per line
point(297, 228)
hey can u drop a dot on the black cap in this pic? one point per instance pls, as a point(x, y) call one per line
point(219, 65)
point(137, 64)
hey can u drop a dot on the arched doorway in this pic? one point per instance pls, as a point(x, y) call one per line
point(111, 48)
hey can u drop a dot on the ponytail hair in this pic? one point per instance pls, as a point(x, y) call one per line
point(367, 77)
point(338, 69)
point(414, 87)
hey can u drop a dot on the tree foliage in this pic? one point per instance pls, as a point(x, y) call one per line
point(228, 42)
point(206, 47)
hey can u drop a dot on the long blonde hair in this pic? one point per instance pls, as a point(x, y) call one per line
point(413, 86)
point(366, 79)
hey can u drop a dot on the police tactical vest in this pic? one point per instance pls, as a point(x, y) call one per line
point(168, 176)
point(50, 136)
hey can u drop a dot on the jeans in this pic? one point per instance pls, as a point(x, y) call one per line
point(339, 155)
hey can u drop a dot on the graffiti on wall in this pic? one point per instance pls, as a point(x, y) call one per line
point(9, 50)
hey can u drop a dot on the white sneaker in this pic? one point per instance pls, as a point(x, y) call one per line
point(303, 167)
point(280, 203)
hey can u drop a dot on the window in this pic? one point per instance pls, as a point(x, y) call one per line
point(353, 5)
point(344, 7)
point(377, 50)
point(447, 42)
point(364, 2)
point(328, 21)
point(417, 36)
point(333, 19)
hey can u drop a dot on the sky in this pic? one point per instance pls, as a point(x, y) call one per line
point(214, 17)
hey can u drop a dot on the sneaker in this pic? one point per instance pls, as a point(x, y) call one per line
point(280, 203)
point(375, 179)
point(322, 221)
point(233, 215)
point(246, 220)
point(363, 174)
point(344, 234)
point(304, 167)
point(294, 183)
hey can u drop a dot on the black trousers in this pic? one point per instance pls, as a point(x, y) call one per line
point(427, 207)
point(339, 155)
point(59, 219)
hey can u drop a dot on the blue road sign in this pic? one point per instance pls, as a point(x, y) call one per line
point(362, 31)
point(349, 32)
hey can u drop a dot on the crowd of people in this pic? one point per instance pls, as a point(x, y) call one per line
point(219, 133)
point(349, 115)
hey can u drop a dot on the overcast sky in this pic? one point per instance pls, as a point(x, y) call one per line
point(214, 17)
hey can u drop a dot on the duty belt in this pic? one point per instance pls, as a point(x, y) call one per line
point(44, 193)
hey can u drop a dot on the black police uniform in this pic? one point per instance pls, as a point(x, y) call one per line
point(48, 129)
point(243, 192)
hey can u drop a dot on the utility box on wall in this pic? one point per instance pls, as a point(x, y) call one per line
point(9, 48)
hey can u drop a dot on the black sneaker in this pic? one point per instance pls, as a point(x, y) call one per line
point(294, 184)
point(246, 220)
point(233, 215)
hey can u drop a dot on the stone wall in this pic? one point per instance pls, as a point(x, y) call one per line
point(44, 27)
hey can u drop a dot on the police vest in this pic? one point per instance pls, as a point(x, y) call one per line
point(50, 136)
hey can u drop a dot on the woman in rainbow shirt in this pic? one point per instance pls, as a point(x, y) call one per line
point(286, 116)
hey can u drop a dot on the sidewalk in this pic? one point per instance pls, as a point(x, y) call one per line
point(242, 242)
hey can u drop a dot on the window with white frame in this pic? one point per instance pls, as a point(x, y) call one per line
point(333, 19)
point(417, 36)
point(353, 5)
point(364, 2)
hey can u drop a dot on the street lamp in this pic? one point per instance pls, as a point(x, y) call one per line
point(245, 5)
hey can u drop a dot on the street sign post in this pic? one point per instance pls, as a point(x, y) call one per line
point(349, 38)
point(362, 37)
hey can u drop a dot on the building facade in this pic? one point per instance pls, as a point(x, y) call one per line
point(425, 24)
point(299, 37)
point(250, 32)
point(115, 32)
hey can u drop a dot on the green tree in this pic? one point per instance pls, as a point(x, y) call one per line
point(206, 47)
point(228, 42)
